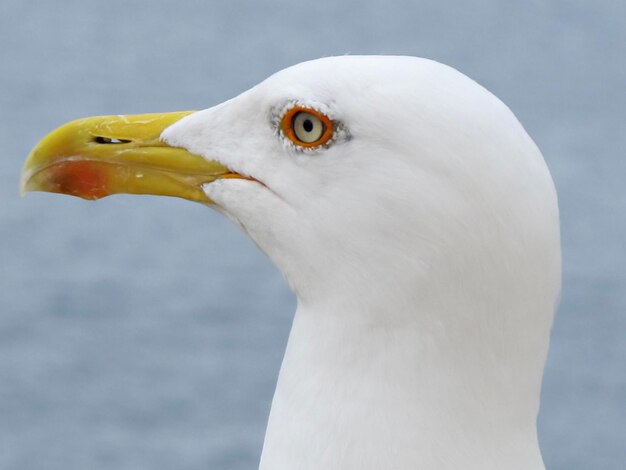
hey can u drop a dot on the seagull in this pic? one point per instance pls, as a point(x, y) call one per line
point(416, 222)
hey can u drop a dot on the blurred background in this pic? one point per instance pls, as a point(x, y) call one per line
point(147, 333)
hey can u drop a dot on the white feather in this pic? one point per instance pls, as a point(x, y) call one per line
point(423, 246)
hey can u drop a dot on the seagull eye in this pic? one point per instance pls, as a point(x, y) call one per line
point(307, 127)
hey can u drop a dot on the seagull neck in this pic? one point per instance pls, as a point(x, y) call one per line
point(357, 394)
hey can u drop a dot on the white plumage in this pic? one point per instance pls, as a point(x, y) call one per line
point(423, 246)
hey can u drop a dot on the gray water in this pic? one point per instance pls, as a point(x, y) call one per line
point(147, 333)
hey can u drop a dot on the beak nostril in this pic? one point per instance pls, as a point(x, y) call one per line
point(108, 140)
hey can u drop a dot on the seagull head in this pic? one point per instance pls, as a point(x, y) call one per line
point(340, 169)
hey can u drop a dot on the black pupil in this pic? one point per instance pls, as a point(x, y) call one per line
point(308, 125)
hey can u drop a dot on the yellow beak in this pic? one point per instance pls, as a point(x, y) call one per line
point(98, 156)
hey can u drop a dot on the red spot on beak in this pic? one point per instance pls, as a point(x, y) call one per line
point(86, 179)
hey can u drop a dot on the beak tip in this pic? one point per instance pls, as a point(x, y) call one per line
point(24, 186)
point(29, 170)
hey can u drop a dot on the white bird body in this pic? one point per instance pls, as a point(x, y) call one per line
point(423, 246)
point(421, 240)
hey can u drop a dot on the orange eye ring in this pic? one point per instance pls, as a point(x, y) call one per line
point(289, 119)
